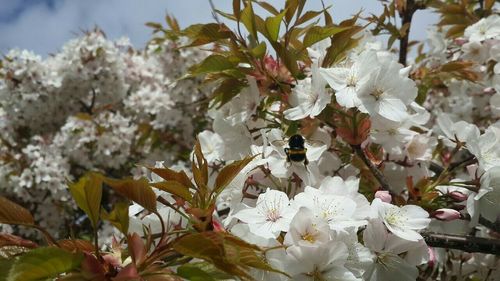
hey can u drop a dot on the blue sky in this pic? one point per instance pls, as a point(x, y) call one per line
point(44, 25)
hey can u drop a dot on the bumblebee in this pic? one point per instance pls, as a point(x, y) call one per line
point(296, 151)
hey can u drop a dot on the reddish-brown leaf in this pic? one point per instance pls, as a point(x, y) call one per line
point(137, 249)
point(13, 240)
point(76, 245)
point(138, 191)
point(12, 213)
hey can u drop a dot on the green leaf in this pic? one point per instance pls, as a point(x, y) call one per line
point(248, 19)
point(213, 63)
point(12, 213)
point(229, 172)
point(309, 15)
point(174, 188)
point(268, 7)
point(201, 34)
point(289, 57)
point(273, 25)
point(87, 193)
point(193, 273)
point(193, 270)
point(227, 90)
point(154, 25)
point(318, 33)
point(259, 51)
point(138, 191)
point(44, 263)
point(118, 217)
point(291, 7)
point(5, 265)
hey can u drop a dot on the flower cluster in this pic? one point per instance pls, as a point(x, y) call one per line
point(95, 105)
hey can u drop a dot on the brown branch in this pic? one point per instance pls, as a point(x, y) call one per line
point(406, 17)
point(494, 226)
point(375, 171)
point(467, 243)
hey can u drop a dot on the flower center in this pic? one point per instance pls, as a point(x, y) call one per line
point(377, 94)
point(309, 237)
point(394, 217)
point(351, 81)
point(273, 215)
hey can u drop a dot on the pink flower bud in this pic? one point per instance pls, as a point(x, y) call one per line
point(447, 214)
point(458, 196)
point(432, 257)
point(218, 226)
point(383, 195)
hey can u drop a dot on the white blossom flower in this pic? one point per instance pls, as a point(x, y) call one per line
point(388, 265)
point(307, 229)
point(337, 211)
point(321, 262)
point(387, 93)
point(212, 146)
point(486, 147)
point(346, 80)
point(309, 97)
point(271, 215)
point(485, 28)
point(403, 221)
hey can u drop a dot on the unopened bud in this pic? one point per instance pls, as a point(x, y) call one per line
point(458, 196)
point(217, 226)
point(432, 257)
point(447, 214)
point(383, 195)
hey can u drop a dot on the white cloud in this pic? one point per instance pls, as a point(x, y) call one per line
point(44, 29)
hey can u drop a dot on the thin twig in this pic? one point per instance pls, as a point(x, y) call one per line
point(214, 11)
point(375, 171)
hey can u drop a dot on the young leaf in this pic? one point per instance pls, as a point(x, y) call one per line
point(87, 193)
point(118, 217)
point(273, 25)
point(200, 167)
point(318, 33)
point(76, 245)
point(248, 19)
point(44, 263)
point(174, 188)
point(268, 7)
point(193, 273)
point(201, 34)
point(12, 213)
point(291, 7)
point(213, 63)
point(193, 270)
point(138, 191)
point(137, 249)
point(258, 52)
point(13, 240)
point(309, 15)
point(229, 172)
point(171, 175)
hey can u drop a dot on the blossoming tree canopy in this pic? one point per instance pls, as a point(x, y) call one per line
point(290, 147)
